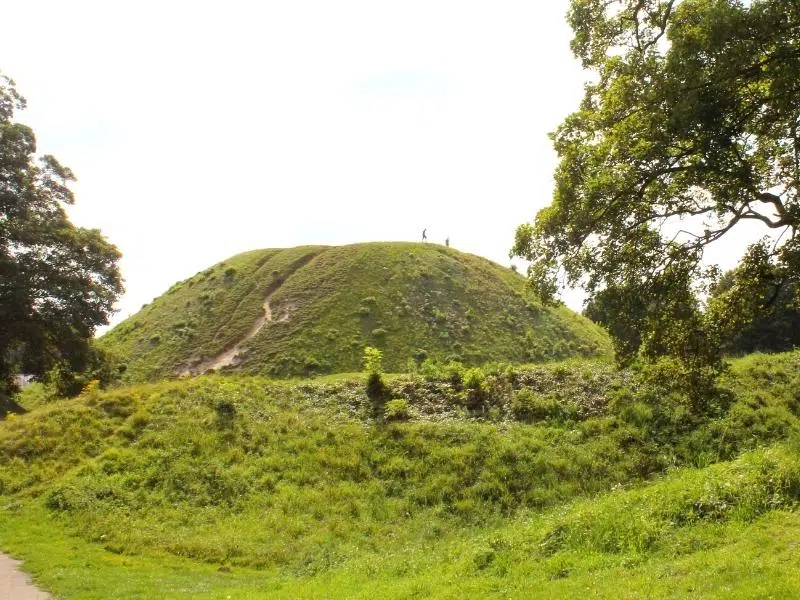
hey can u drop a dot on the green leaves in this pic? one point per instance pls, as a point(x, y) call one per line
point(688, 128)
point(58, 282)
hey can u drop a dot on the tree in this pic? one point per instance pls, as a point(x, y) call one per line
point(58, 282)
point(776, 325)
point(689, 128)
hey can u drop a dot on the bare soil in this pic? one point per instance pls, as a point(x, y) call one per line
point(16, 585)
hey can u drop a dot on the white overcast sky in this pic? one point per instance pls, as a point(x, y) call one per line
point(198, 130)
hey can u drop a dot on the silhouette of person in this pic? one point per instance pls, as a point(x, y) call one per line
point(425, 235)
point(447, 242)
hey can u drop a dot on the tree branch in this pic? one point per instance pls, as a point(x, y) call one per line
point(776, 202)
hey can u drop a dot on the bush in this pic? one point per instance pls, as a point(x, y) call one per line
point(429, 370)
point(527, 406)
point(226, 413)
point(35, 394)
point(475, 382)
point(373, 360)
point(453, 372)
point(396, 410)
point(373, 365)
point(312, 365)
point(474, 379)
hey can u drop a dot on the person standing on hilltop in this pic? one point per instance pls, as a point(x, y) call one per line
point(447, 242)
point(425, 235)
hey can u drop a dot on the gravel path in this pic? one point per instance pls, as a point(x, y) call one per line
point(16, 585)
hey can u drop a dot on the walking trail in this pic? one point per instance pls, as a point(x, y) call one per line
point(226, 358)
point(16, 585)
point(229, 356)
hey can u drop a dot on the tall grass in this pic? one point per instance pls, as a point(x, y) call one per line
point(305, 481)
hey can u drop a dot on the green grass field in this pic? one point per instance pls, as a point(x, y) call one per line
point(411, 300)
point(560, 481)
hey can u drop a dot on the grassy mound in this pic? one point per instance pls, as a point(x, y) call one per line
point(554, 481)
point(327, 303)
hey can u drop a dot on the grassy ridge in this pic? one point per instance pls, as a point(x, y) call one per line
point(328, 303)
point(333, 498)
point(735, 557)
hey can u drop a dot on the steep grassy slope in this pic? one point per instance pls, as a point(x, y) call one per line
point(327, 303)
point(310, 484)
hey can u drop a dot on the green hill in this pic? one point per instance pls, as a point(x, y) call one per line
point(313, 309)
point(562, 481)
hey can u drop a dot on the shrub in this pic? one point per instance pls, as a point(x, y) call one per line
point(91, 388)
point(396, 410)
point(226, 412)
point(475, 382)
point(33, 395)
point(529, 407)
point(376, 388)
point(369, 301)
point(379, 332)
point(474, 379)
point(429, 370)
point(373, 360)
point(312, 365)
point(697, 384)
point(364, 311)
point(420, 354)
point(453, 372)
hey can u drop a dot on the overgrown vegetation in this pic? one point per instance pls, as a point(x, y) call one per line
point(555, 472)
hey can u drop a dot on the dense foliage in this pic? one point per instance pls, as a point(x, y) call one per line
point(689, 128)
point(553, 475)
point(776, 328)
point(58, 282)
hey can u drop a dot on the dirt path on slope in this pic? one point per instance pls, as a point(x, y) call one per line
point(16, 585)
point(229, 356)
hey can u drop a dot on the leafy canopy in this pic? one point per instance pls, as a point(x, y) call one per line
point(58, 282)
point(688, 129)
point(776, 327)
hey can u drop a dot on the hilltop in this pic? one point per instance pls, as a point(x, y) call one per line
point(313, 309)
